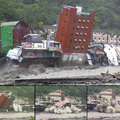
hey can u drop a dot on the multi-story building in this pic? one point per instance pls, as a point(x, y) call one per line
point(57, 95)
point(12, 34)
point(107, 93)
point(99, 36)
point(51, 30)
point(74, 31)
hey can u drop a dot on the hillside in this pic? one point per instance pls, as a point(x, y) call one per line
point(47, 11)
point(96, 89)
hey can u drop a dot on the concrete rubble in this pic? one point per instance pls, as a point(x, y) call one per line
point(63, 110)
point(105, 54)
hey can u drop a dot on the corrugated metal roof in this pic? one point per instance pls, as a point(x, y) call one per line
point(49, 27)
point(9, 23)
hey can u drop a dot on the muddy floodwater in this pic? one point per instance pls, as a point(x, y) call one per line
point(9, 74)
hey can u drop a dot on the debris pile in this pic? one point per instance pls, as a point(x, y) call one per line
point(105, 54)
point(107, 105)
point(6, 100)
point(63, 109)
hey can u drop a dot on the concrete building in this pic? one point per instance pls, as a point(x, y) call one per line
point(51, 30)
point(100, 37)
point(74, 32)
point(108, 93)
point(12, 34)
point(57, 95)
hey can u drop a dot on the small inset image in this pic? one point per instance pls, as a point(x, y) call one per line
point(60, 103)
point(103, 103)
point(16, 103)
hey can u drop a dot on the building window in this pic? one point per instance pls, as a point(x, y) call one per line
point(61, 41)
point(63, 27)
point(82, 28)
point(71, 34)
point(74, 21)
point(79, 21)
point(75, 40)
point(76, 34)
point(79, 41)
point(71, 41)
point(62, 34)
point(94, 33)
point(17, 26)
point(85, 34)
point(84, 41)
point(94, 38)
point(65, 21)
point(86, 28)
point(52, 31)
point(98, 34)
point(78, 27)
point(66, 14)
point(10, 33)
point(73, 48)
point(88, 21)
point(83, 21)
point(78, 47)
point(16, 33)
point(73, 27)
point(80, 34)
point(82, 48)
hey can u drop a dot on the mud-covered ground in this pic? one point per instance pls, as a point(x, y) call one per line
point(52, 116)
point(16, 116)
point(8, 73)
point(25, 118)
point(103, 116)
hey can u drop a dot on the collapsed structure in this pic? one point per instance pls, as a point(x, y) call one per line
point(6, 100)
point(106, 101)
point(62, 108)
point(57, 102)
point(105, 54)
point(9, 102)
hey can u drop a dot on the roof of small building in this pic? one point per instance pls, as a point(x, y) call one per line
point(49, 27)
point(107, 92)
point(12, 23)
point(101, 31)
point(98, 30)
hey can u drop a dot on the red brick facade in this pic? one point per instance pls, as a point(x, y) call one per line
point(74, 31)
